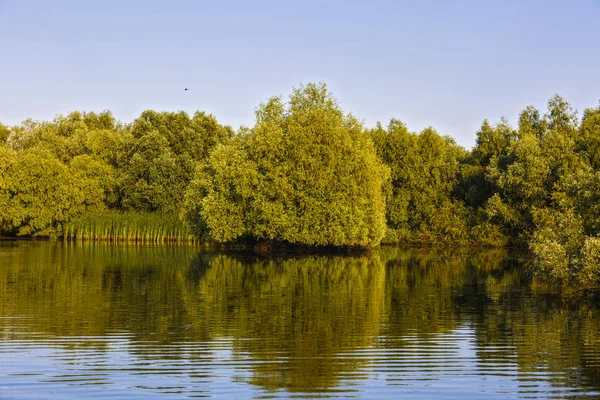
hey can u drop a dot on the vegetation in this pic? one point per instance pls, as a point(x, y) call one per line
point(130, 226)
point(305, 173)
point(424, 172)
point(88, 176)
point(308, 173)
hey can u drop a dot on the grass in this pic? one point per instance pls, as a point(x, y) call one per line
point(130, 226)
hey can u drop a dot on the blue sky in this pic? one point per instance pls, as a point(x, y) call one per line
point(446, 64)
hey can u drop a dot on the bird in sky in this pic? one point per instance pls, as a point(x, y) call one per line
point(186, 89)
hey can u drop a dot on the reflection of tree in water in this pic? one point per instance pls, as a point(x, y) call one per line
point(298, 315)
point(300, 321)
point(423, 286)
point(89, 290)
point(548, 332)
point(433, 291)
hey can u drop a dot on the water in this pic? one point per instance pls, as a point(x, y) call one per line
point(91, 321)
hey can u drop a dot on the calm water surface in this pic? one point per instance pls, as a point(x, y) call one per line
point(91, 321)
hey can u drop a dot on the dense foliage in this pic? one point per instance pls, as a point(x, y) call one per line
point(305, 173)
point(52, 173)
point(424, 171)
point(308, 173)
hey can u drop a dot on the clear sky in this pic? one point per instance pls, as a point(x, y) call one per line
point(446, 64)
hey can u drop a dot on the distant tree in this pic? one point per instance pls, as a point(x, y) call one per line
point(153, 178)
point(109, 145)
point(538, 165)
point(65, 136)
point(475, 186)
point(97, 180)
point(424, 169)
point(7, 160)
point(589, 136)
point(162, 155)
point(194, 137)
point(542, 189)
point(4, 133)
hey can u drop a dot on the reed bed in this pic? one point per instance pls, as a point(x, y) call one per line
point(127, 226)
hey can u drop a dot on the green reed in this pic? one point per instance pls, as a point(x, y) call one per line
point(133, 226)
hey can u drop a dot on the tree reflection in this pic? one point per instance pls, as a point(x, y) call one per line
point(304, 312)
point(300, 323)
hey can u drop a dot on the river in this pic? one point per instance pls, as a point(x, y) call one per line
point(129, 321)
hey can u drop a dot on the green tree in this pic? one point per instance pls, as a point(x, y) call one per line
point(152, 178)
point(306, 173)
point(563, 251)
point(7, 160)
point(195, 136)
point(109, 145)
point(589, 136)
point(537, 169)
point(4, 133)
point(162, 155)
point(475, 186)
point(491, 146)
point(40, 193)
point(424, 168)
point(97, 180)
point(65, 136)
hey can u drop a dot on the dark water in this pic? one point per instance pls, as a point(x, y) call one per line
point(90, 321)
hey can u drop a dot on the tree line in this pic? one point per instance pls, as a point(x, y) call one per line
point(308, 173)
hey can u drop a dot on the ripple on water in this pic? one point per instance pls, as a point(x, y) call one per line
point(79, 322)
